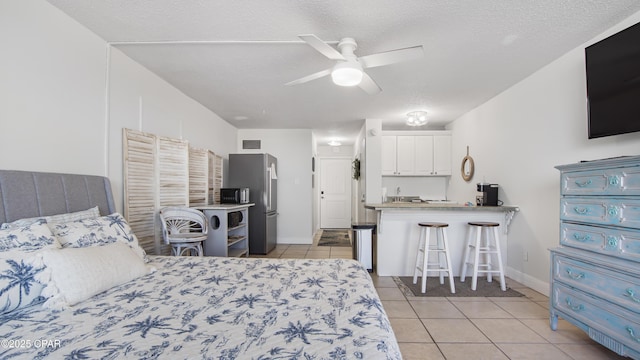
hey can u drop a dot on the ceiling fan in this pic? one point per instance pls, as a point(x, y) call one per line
point(349, 69)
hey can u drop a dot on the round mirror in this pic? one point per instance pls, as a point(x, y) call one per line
point(467, 168)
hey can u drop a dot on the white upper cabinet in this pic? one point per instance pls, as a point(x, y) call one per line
point(442, 155)
point(405, 155)
point(388, 155)
point(424, 155)
point(416, 155)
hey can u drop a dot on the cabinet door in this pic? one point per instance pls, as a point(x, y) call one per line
point(388, 155)
point(423, 155)
point(442, 155)
point(405, 155)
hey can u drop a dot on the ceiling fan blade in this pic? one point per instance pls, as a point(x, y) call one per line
point(307, 78)
point(391, 57)
point(322, 47)
point(368, 85)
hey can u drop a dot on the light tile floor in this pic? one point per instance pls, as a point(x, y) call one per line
point(468, 328)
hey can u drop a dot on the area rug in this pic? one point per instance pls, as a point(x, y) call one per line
point(463, 289)
point(338, 238)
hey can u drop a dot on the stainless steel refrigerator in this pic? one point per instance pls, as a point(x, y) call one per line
point(258, 173)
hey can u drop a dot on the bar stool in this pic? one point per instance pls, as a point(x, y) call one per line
point(486, 245)
point(441, 248)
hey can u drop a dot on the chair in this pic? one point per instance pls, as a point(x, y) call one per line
point(184, 229)
point(441, 248)
point(482, 243)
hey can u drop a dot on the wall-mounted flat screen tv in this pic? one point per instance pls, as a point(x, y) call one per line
point(613, 84)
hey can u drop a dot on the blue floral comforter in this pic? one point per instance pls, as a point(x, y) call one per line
point(215, 308)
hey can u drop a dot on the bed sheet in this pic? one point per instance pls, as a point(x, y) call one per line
point(216, 308)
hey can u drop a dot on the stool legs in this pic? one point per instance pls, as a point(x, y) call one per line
point(503, 285)
point(445, 245)
point(484, 241)
point(422, 257)
point(441, 248)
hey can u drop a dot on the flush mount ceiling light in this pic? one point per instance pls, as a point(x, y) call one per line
point(334, 143)
point(417, 118)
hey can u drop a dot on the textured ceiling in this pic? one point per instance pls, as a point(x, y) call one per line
point(473, 51)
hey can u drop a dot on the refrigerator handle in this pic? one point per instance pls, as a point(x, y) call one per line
point(269, 188)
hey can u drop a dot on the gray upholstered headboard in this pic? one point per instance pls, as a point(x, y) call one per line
point(25, 194)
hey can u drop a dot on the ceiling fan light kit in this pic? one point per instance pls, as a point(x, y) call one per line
point(349, 68)
point(347, 73)
point(417, 118)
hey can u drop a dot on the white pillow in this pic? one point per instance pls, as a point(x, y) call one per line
point(94, 212)
point(18, 248)
point(75, 274)
point(96, 232)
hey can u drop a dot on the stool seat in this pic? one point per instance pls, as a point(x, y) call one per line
point(484, 242)
point(441, 249)
point(433, 224)
point(483, 223)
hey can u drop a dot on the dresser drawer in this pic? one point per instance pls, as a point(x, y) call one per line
point(613, 286)
point(610, 320)
point(624, 244)
point(600, 210)
point(616, 181)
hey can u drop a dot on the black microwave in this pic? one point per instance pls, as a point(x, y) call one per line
point(234, 195)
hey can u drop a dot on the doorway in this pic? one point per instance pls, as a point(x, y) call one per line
point(335, 193)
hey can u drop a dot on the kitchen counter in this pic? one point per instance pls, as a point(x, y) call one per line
point(398, 230)
point(439, 206)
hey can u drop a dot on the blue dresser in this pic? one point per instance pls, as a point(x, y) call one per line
point(595, 273)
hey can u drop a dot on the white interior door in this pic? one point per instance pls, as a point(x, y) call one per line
point(335, 193)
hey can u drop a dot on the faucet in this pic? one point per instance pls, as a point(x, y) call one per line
point(398, 197)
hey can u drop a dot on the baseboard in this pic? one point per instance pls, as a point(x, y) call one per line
point(294, 241)
point(529, 281)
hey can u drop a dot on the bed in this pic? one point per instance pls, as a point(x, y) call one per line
point(166, 307)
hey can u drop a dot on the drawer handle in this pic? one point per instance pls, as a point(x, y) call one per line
point(575, 276)
point(632, 295)
point(614, 180)
point(574, 307)
point(584, 183)
point(582, 237)
point(581, 211)
point(632, 333)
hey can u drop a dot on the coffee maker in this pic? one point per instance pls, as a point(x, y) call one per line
point(487, 194)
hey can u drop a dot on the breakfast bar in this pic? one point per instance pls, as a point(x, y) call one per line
point(397, 224)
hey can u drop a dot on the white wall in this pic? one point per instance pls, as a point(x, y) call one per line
point(142, 101)
point(294, 150)
point(517, 138)
point(52, 90)
point(54, 115)
point(373, 166)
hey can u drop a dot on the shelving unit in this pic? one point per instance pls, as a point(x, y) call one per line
point(228, 230)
